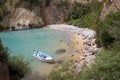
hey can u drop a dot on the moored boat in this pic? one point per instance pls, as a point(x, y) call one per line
point(42, 56)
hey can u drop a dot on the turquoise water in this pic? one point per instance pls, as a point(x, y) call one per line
point(22, 43)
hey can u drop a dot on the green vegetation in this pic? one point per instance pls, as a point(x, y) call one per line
point(107, 62)
point(84, 15)
point(30, 3)
point(17, 66)
point(110, 28)
point(2, 1)
point(62, 3)
point(106, 67)
point(3, 53)
point(3, 12)
point(62, 72)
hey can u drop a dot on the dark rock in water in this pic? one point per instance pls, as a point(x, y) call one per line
point(59, 61)
point(61, 41)
point(59, 51)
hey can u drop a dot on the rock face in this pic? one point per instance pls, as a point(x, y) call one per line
point(24, 19)
point(54, 13)
point(110, 5)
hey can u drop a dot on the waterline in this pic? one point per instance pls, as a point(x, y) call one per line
point(22, 43)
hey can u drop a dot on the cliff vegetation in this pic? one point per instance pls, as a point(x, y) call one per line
point(87, 15)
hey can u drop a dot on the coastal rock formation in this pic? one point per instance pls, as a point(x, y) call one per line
point(20, 17)
point(49, 12)
point(56, 11)
point(25, 19)
point(110, 6)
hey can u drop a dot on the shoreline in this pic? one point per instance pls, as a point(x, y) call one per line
point(83, 43)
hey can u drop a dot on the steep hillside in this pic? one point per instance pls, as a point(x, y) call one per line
point(19, 14)
point(29, 14)
point(109, 6)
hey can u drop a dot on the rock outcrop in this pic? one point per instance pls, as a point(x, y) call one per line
point(60, 51)
point(110, 6)
point(24, 19)
point(54, 13)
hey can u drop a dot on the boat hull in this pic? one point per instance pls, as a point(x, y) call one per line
point(43, 57)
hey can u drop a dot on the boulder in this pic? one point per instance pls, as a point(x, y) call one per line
point(59, 51)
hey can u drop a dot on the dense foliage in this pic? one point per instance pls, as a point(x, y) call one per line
point(63, 72)
point(107, 62)
point(17, 66)
point(106, 67)
point(3, 53)
point(110, 28)
point(30, 3)
point(84, 15)
point(3, 12)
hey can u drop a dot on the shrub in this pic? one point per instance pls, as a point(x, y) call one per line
point(3, 53)
point(84, 15)
point(2, 26)
point(89, 21)
point(106, 67)
point(79, 10)
point(62, 72)
point(17, 67)
point(109, 30)
point(63, 3)
point(2, 2)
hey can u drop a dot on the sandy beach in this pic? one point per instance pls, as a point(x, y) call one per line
point(76, 43)
point(82, 43)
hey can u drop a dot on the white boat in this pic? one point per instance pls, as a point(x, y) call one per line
point(42, 56)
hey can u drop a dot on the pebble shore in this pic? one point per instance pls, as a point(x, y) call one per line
point(84, 35)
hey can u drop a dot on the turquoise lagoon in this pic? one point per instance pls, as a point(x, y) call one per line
point(22, 43)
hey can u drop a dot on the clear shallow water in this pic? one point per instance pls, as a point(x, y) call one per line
point(22, 43)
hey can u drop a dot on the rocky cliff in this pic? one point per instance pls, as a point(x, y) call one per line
point(110, 6)
point(24, 18)
point(53, 12)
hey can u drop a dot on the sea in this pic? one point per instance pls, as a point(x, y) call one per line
point(22, 43)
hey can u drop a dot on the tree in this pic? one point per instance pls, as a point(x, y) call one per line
point(17, 67)
point(109, 30)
